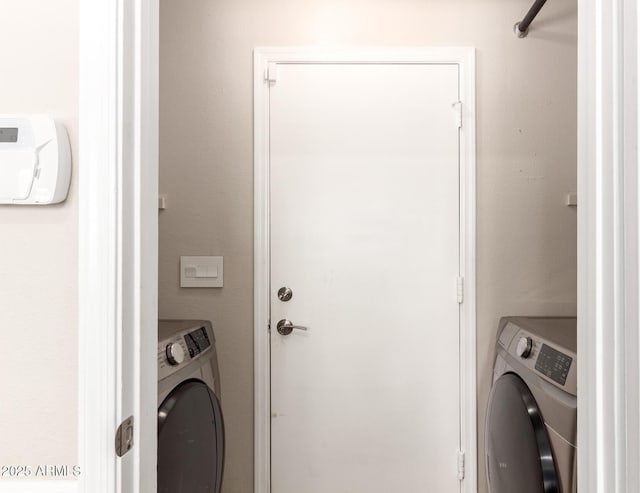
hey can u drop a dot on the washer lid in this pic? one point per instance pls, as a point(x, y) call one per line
point(519, 456)
point(190, 440)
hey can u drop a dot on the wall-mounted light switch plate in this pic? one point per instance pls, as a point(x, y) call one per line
point(201, 272)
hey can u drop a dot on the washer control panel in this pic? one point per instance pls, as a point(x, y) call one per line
point(181, 349)
point(553, 364)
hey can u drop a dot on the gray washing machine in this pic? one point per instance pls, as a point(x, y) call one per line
point(531, 426)
point(190, 424)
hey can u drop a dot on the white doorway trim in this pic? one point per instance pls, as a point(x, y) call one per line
point(118, 242)
point(608, 247)
point(465, 59)
point(599, 24)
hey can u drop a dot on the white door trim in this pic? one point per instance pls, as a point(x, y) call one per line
point(98, 250)
point(117, 242)
point(608, 247)
point(465, 59)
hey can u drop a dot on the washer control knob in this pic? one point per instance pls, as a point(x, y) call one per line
point(524, 347)
point(175, 353)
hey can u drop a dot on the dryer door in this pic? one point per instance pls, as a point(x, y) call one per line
point(190, 440)
point(519, 455)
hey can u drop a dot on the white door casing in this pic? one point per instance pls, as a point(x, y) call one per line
point(386, 68)
point(118, 231)
point(99, 26)
point(608, 246)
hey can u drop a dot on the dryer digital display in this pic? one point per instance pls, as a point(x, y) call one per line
point(553, 364)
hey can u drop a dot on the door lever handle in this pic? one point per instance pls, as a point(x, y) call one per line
point(285, 327)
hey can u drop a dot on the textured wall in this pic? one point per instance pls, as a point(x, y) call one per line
point(38, 247)
point(526, 159)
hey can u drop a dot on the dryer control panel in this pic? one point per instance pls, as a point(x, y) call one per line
point(181, 349)
point(552, 362)
point(197, 341)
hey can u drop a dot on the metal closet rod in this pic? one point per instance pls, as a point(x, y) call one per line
point(521, 29)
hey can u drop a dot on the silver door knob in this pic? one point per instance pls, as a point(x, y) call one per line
point(285, 327)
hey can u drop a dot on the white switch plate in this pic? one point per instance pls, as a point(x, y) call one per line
point(201, 272)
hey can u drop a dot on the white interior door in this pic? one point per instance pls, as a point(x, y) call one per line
point(364, 217)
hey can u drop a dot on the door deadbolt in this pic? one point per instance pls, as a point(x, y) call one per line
point(285, 294)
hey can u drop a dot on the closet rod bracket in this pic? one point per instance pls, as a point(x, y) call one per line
point(518, 32)
point(521, 29)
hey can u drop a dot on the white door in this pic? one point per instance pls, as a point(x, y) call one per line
point(364, 218)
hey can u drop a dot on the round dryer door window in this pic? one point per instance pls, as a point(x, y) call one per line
point(190, 440)
point(519, 455)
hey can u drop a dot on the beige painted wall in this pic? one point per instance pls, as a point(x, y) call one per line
point(526, 159)
point(38, 247)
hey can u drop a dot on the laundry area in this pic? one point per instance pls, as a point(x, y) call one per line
point(346, 275)
point(367, 249)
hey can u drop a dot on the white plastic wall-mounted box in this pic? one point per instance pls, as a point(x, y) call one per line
point(35, 160)
point(201, 272)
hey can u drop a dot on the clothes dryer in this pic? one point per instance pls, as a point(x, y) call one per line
point(531, 426)
point(190, 424)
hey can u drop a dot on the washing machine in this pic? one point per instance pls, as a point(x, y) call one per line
point(190, 424)
point(531, 426)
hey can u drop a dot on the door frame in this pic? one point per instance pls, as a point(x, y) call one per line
point(264, 60)
point(100, 29)
point(608, 246)
point(117, 239)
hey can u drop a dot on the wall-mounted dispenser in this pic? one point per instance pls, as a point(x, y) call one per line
point(35, 160)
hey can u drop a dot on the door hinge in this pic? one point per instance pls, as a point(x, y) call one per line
point(271, 72)
point(124, 437)
point(457, 109)
point(460, 465)
point(460, 289)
